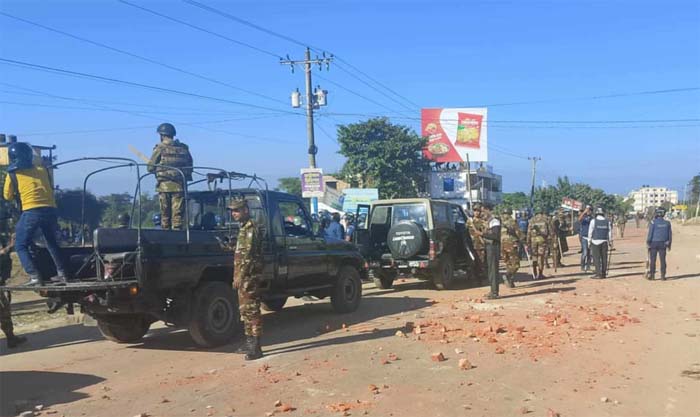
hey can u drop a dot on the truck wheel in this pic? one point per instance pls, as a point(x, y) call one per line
point(347, 291)
point(215, 319)
point(276, 304)
point(444, 272)
point(383, 280)
point(127, 329)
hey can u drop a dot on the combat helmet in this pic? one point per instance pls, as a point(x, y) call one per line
point(166, 129)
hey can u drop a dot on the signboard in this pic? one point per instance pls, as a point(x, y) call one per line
point(355, 196)
point(333, 198)
point(455, 133)
point(312, 184)
point(571, 204)
point(680, 207)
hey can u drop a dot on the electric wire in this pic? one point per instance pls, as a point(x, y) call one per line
point(140, 57)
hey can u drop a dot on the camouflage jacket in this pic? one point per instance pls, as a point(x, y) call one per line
point(510, 232)
point(477, 226)
point(248, 258)
point(538, 228)
point(175, 154)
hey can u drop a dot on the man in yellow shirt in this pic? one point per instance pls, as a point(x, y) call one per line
point(31, 188)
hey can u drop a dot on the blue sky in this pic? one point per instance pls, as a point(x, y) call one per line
point(550, 54)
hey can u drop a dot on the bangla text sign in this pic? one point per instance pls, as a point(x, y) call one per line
point(312, 182)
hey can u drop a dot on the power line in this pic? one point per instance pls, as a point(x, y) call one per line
point(135, 84)
point(142, 58)
point(247, 45)
point(305, 44)
point(355, 93)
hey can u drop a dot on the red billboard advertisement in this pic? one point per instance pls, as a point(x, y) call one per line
point(455, 133)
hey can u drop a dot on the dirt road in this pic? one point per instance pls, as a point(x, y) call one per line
point(623, 346)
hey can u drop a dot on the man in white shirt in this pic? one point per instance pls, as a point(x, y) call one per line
point(599, 240)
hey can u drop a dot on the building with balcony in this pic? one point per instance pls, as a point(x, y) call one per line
point(647, 196)
point(451, 185)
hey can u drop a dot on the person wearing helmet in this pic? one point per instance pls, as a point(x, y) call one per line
point(156, 221)
point(659, 240)
point(537, 237)
point(31, 188)
point(349, 226)
point(123, 221)
point(599, 242)
point(168, 154)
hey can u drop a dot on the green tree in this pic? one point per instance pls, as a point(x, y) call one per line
point(291, 185)
point(385, 156)
point(115, 204)
point(515, 201)
point(69, 205)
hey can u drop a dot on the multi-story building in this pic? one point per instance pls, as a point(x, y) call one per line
point(652, 197)
point(486, 186)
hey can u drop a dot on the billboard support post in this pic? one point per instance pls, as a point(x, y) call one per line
point(469, 183)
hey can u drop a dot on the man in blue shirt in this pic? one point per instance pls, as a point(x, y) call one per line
point(334, 231)
point(658, 241)
point(584, 220)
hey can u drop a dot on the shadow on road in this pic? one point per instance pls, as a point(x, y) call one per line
point(538, 292)
point(22, 390)
point(305, 323)
point(74, 334)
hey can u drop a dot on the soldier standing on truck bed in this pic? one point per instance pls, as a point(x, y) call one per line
point(172, 153)
point(476, 228)
point(248, 265)
point(511, 239)
point(537, 236)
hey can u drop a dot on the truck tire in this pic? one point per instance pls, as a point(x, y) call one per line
point(126, 329)
point(347, 291)
point(215, 319)
point(383, 280)
point(275, 304)
point(407, 239)
point(444, 273)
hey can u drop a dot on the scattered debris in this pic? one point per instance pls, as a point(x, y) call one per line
point(500, 350)
point(399, 333)
point(39, 407)
point(604, 399)
point(464, 364)
point(552, 413)
point(437, 357)
point(458, 351)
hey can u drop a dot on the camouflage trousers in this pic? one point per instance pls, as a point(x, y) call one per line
point(480, 262)
point(554, 250)
point(6, 313)
point(249, 307)
point(172, 210)
point(509, 254)
point(539, 251)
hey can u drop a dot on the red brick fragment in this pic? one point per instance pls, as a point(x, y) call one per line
point(437, 357)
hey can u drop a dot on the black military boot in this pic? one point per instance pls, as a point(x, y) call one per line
point(246, 346)
point(663, 276)
point(14, 341)
point(509, 281)
point(255, 351)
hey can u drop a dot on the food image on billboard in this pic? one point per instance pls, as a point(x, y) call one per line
point(454, 133)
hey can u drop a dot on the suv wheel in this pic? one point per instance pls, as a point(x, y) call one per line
point(347, 291)
point(275, 304)
point(126, 329)
point(383, 280)
point(215, 320)
point(443, 273)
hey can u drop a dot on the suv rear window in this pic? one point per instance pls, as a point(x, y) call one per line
point(410, 212)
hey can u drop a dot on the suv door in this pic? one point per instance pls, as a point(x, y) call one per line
point(306, 253)
point(361, 236)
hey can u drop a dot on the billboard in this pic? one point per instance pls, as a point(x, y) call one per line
point(355, 196)
point(312, 184)
point(454, 133)
point(571, 204)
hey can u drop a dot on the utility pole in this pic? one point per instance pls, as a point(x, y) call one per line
point(534, 160)
point(314, 99)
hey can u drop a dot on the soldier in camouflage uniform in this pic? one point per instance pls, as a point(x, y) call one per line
point(537, 237)
point(248, 265)
point(171, 185)
point(477, 226)
point(554, 248)
point(7, 241)
point(511, 239)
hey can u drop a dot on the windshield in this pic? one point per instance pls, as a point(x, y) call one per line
point(410, 212)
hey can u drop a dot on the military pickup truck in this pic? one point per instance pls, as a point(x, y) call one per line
point(129, 278)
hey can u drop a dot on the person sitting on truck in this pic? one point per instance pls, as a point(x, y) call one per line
point(31, 188)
